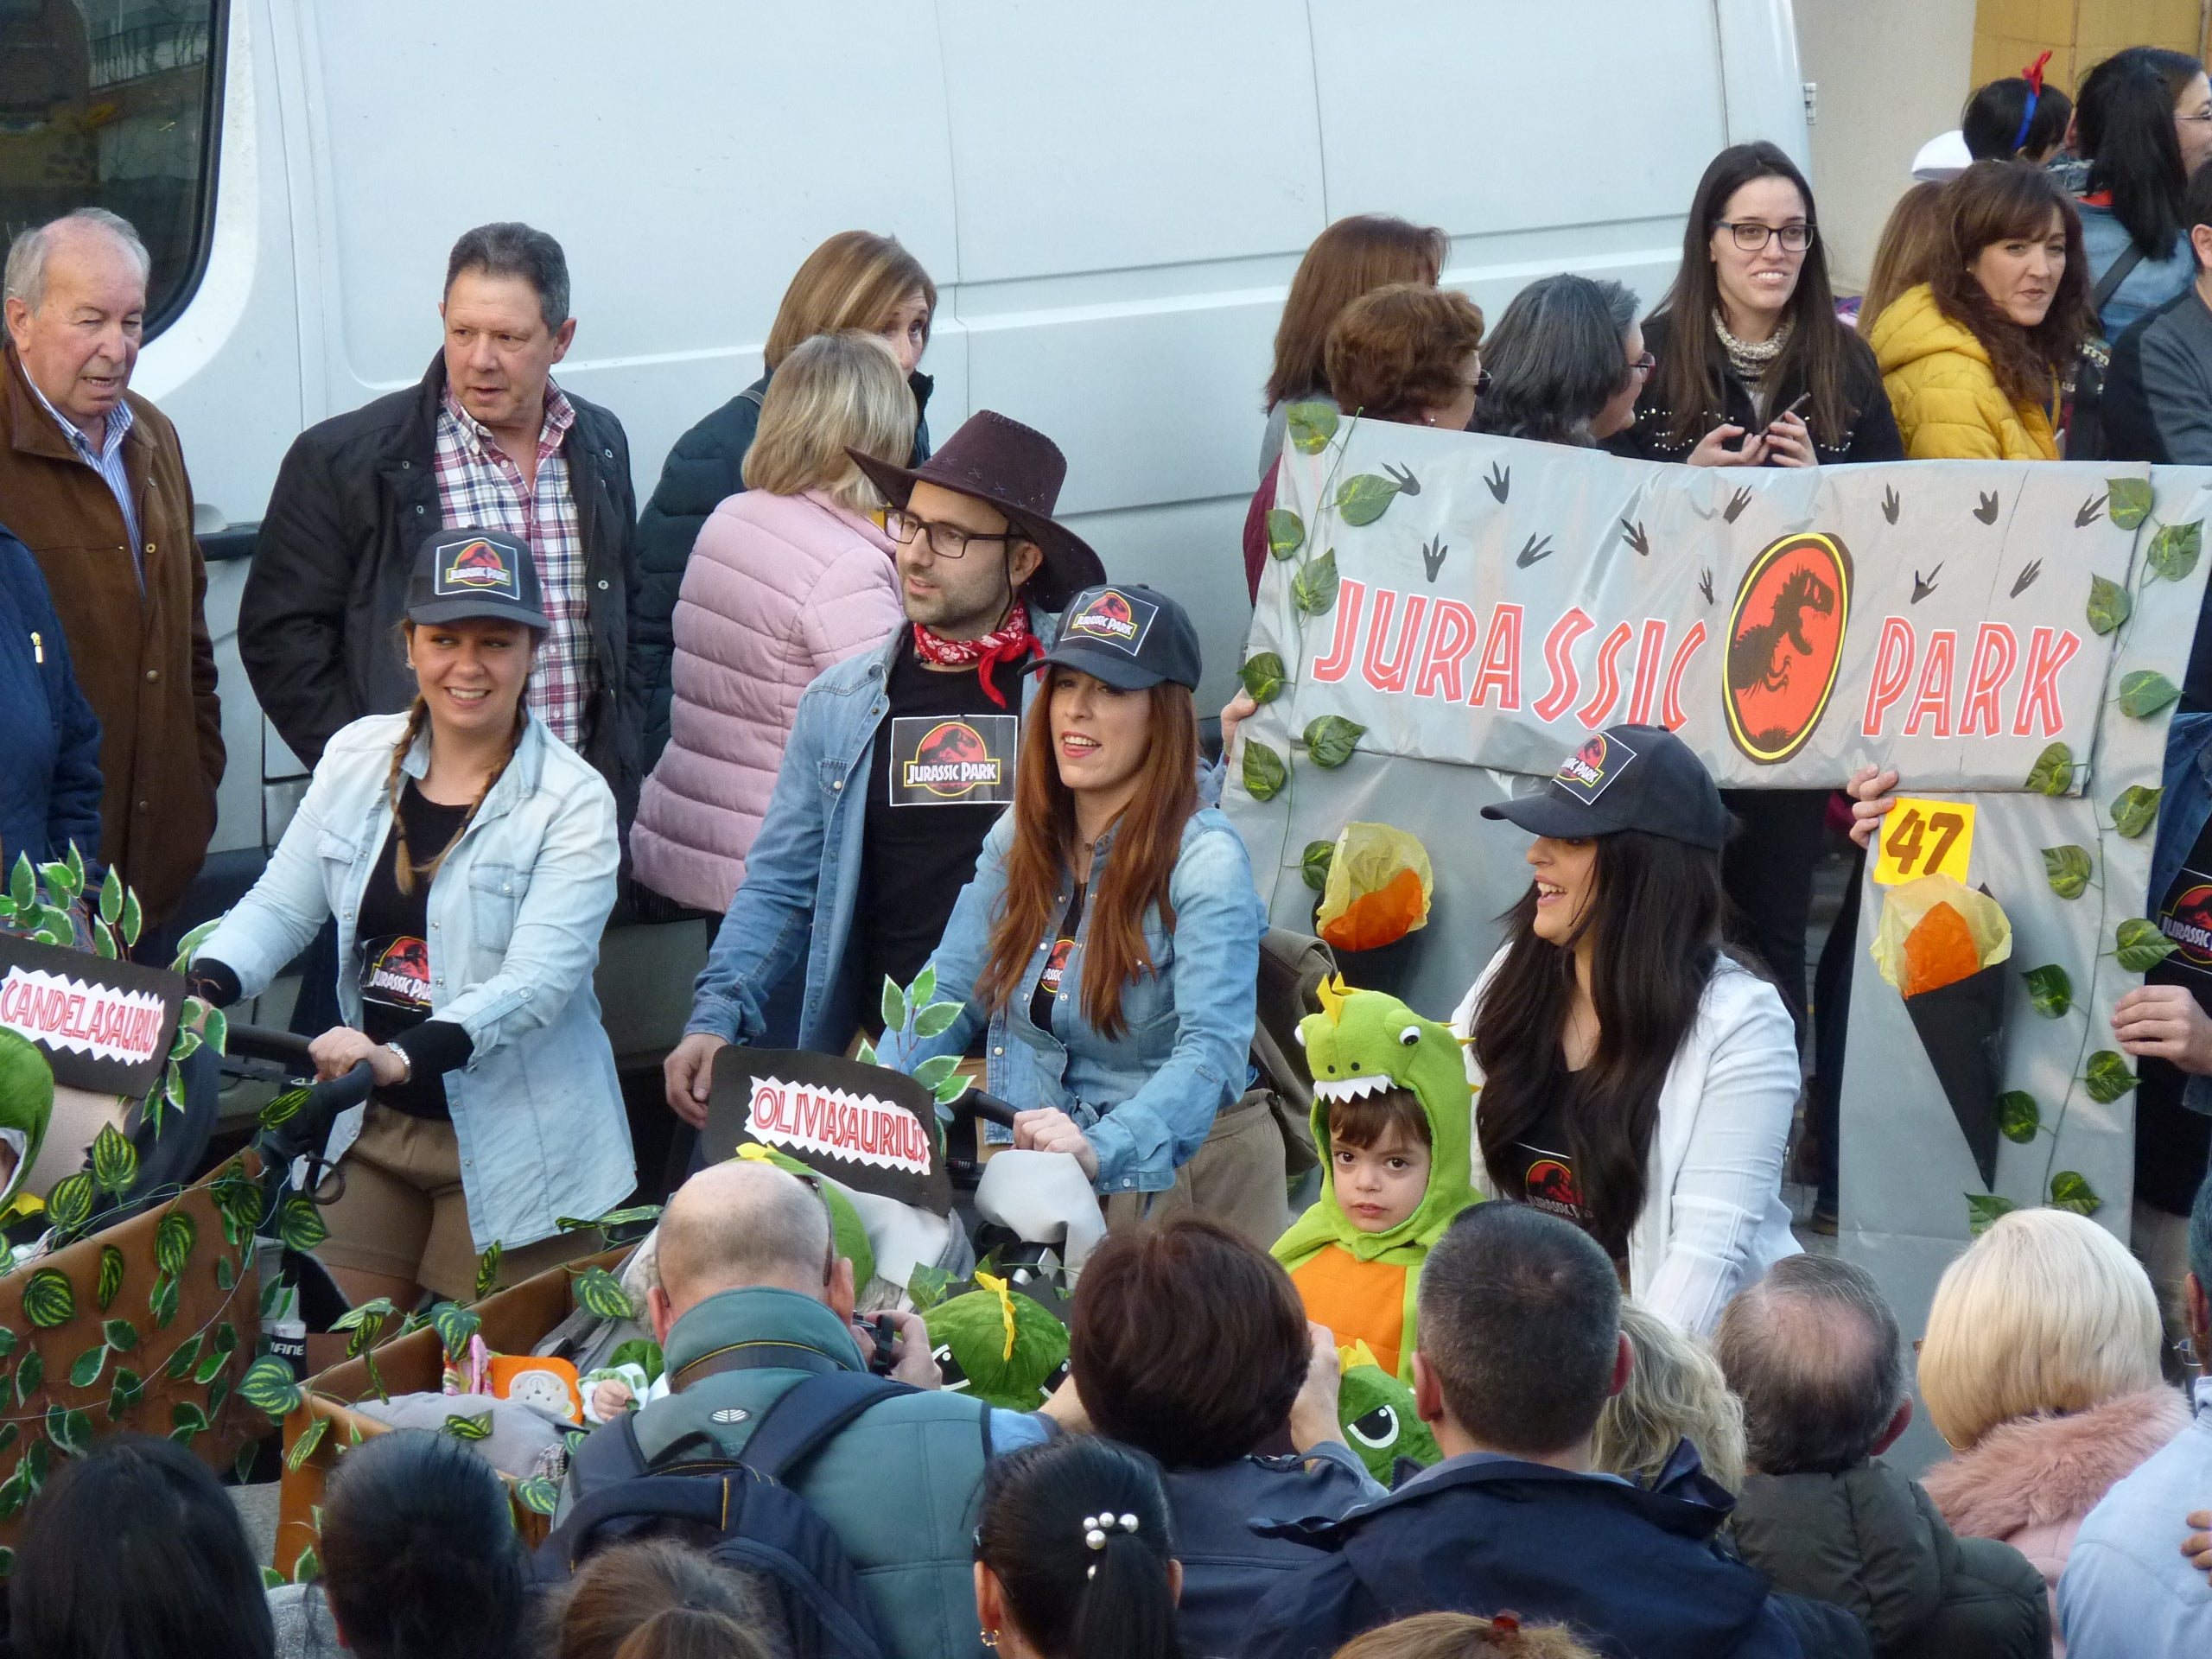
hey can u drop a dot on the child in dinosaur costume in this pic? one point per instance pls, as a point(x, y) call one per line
point(1392, 1104)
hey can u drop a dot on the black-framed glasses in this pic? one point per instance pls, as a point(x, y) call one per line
point(947, 541)
point(1751, 236)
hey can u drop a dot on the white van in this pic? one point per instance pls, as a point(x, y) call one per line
point(1112, 201)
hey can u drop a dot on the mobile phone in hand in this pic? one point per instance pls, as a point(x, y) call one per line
point(1796, 408)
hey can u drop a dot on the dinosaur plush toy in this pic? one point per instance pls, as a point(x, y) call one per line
point(998, 1346)
point(1377, 1412)
point(1359, 1283)
point(26, 1107)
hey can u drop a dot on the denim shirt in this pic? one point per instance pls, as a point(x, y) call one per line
point(2184, 807)
point(2149, 285)
point(1145, 1099)
point(803, 871)
point(515, 913)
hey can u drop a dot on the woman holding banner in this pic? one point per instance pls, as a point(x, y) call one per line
point(1635, 1078)
point(1110, 940)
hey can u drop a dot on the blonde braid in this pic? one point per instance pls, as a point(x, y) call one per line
point(403, 867)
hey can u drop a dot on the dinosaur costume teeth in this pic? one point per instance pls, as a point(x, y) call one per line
point(1351, 1088)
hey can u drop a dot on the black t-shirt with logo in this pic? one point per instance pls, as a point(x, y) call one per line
point(1051, 982)
point(1548, 1179)
point(392, 948)
point(940, 774)
point(2172, 1142)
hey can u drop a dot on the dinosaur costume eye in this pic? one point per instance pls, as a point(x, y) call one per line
point(1299, 1031)
point(1378, 1429)
point(1053, 1383)
point(954, 1378)
point(1410, 1036)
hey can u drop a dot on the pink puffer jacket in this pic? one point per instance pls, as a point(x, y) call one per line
point(778, 589)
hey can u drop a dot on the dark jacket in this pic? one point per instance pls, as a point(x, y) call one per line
point(50, 740)
point(1227, 1567)
point(319, 620)
point(1873, 427)
point(704, 469)
point(139, 647)
point(2157, 394)
point(1870, 1540)
point(1634, 1570)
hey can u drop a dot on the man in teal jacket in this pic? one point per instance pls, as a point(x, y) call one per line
point(751, 1300)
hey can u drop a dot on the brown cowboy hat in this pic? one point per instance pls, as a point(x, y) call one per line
point(1018, 470)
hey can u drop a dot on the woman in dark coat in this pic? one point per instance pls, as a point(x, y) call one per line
point(50, 740)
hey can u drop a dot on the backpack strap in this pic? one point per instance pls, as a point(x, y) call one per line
point(812, 1413)
point(754, 396)
point(706, 1502)
point(608, 1456)
point(2118, 272)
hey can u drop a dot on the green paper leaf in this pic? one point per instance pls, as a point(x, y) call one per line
point(1310, 426)
point(29, 1376)
point(68, 1432)
point(538, 1495)
point(366, 1323)
point(300, 1224)
point(1313, 589)
point(934, 1071)
point(215, 1030)
point(2109, 607)
point(2018, 1117)
point(1331, 740)
point(162, 1301)
point(8, 1341)
point(1363, 498)
point(303, 1447)
point(478, 1427)
point(2107, 1078)
point(226, 1274)
point(936, 1018)
point(487, 1270)
point(894, 1006)
point(129, 1389)
point(307, 1565)
point(227, 1338)
point(952, 1088)
point(119, 1334)
point(181, 1362)
point(49, 1300)
point(2128, 500)
point(173, 1242)
point(37, 1460)
point(2140, 946)
point(1262, 676)
point(88, 1366)
point(454, 1325)
point(2070, 1191)
point(69, 1206)
point(104, 941)
point(210, 1367)
point(22, 883)
point(54, 877)
point(599, 1291)
point(2068, 869)
point(111, 897)
point(2173, 550)
point(240, 1200)
point(1263, 771)
point(2143, 693)
point(865, 1054)
point(284, 1108)
point(2053, 772)
point(1313, 863)
point(1983, 1208)
point(1286, 532)
point(133, 918)
point(2049, 989)
point(2134, 810)
point(13, 1495)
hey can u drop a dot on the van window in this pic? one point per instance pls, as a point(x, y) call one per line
point(111, 103)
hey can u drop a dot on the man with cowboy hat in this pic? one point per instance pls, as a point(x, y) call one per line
point(924, 732)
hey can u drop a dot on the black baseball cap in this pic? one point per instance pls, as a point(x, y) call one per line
point(1128, 635)
point(1626, 778)
point(459, 574)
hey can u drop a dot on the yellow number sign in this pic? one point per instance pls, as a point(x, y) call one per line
point(1924, 838)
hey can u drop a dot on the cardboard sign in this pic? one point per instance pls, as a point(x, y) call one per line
point(1925, 838)
point(871, 1128)
point(103, 1026)
point(953, 760)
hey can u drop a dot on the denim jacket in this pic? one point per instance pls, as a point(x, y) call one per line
point(2185, 807)
point(1145, 1099)
point(803, 871)
point(515, 915)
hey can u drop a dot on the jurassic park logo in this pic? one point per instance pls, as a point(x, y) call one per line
point(1113, 617)
point(967, 760)
point(473, 564)
point(1785, 645)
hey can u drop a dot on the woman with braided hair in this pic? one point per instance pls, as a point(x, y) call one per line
point(469, 857)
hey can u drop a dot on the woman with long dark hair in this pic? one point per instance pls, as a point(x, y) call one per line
point(2144, 125)
point(1753, 366)
point(1110, 940)
point(1974, 357)
point(1074, 1558)
point(1565, 363)
point(1635, 1078)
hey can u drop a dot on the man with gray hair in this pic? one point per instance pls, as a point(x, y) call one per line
point(92, 480)
point(1815, 1355)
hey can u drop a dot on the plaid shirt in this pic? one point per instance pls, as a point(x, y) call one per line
point(106, 459)
point(481, 488)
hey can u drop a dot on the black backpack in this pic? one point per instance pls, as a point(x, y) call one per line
point(739, 1510)
point(2085, 425)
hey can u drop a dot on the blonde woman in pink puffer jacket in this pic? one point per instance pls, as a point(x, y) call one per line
point(785, 579)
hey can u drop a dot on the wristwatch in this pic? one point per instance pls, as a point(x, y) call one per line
point(406, 1066)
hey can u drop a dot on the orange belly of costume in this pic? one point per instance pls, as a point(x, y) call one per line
point(1360, 1302)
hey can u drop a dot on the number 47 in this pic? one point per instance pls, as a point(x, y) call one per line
point(1936, 833)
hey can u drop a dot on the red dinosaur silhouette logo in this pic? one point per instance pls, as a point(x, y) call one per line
point(477, 564)
point(402, 973)
point(2189, 924)
point(1551, 1185)
point(951, 758)
point(1110, 617)
point(1056, 967)
point(1785, 645)
point(1585, 773)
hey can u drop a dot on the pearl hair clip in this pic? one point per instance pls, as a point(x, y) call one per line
point(1095, 1527)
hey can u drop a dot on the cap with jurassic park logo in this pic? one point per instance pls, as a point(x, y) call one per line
point(1128, 635)
point(459, 574)
point(1626, 778)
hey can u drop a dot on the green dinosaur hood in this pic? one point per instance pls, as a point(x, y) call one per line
point(1015, 1368)
point(1362, 1042)
point(26, 1105)
point(1377, 1415)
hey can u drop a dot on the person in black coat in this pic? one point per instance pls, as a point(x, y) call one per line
point(50, 738)
point(1519, 1347)
point(855, 280)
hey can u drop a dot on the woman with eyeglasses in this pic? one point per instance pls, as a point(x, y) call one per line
point(2145, 121)
point(1753, 366)
point(1566, 364)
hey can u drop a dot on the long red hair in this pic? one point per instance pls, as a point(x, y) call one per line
point(1147, 840)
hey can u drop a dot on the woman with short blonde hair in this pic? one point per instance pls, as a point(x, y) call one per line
point(2040, 1369)
point(789, 577)
point(1674, 1392)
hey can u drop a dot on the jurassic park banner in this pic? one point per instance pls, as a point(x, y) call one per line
point(1447, 619)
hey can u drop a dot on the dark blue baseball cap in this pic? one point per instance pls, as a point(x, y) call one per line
point(460, 574)
point(1626, 778)
point(1128, 635)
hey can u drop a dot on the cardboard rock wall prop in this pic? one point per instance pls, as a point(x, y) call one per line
point(1445, 617)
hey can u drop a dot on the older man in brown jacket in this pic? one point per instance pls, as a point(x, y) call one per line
point(93, 479)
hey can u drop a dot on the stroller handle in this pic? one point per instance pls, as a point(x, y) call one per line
point(265, 1043)
point(990, 1107)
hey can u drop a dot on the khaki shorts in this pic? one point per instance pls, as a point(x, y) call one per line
point(403, 1213)
point(1238, 1176)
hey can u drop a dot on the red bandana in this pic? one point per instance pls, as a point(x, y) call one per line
point(1009, 643)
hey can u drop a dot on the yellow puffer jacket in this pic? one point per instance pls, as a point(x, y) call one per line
point(1944, 392)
